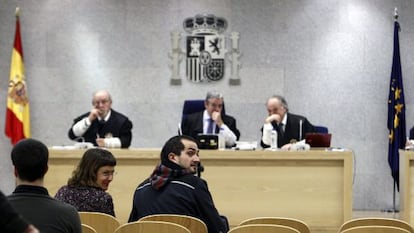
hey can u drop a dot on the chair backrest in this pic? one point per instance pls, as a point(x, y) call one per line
point(192, 106)
point(376, 222)
point(87, 229)
point(375, 229)
point(151, 226)
point(297, 224)
point(101, 222)
point(263, 228)
point(193, 224)
point(321, 129)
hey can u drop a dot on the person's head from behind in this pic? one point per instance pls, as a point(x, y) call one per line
point(30, 158)
point(277, 105)
point(96, 169)
point(181, 150)
point(213, 102)
point(102, 101)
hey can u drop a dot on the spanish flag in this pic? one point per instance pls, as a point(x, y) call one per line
point(18, 111)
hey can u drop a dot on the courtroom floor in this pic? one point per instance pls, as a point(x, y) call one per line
point(374, 213)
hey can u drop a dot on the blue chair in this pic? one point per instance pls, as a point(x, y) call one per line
point(191, 106)
point(321, 129)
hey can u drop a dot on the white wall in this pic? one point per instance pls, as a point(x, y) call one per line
point(330, 58)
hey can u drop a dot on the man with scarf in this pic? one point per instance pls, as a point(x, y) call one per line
point(173, 188)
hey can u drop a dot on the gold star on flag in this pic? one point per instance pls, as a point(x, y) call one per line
point(397, 93)
point(398, 108)
point(396, 121)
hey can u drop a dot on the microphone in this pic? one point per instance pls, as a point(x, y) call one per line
point(82, 144)
point(200, 169)
point(180, 132)
point(79, 138)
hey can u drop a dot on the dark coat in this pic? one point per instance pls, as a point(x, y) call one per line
point(193, 125)
point(291, 130)
point(185, 195)
point(117, 125)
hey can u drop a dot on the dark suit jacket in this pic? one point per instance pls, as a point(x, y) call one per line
point(118, 125)
point(193, 125)
point(291, 130)
point(412, 133)
point(10, 220)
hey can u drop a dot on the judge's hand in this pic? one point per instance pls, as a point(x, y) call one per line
point(94, 114)
point(273, 117)
point(100, 142)
point(31, 229)
point(216, 116)
point(287, 146)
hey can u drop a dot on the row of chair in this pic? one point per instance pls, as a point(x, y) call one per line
point(376, 225)
point(93, 222)
point(287, 225)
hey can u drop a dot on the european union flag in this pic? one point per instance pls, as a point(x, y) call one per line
point(396, 110)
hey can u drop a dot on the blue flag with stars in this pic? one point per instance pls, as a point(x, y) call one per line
point(396, 110)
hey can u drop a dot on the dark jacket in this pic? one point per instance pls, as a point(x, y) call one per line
point(44, 212)
point(412, 133)
point(193, 125)
point(117, 125)
point(185, 195)
point(291, 130)
point(10, 220)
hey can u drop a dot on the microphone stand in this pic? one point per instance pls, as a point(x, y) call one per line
point(200, 169)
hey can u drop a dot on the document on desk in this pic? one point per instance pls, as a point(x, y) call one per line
point(339, 149)
point(246, 145)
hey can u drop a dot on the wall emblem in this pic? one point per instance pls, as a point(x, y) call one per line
point(205, 48)
point(205, 52)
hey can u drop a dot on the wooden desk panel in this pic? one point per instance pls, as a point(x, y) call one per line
point(314, 186)
point(407, 186)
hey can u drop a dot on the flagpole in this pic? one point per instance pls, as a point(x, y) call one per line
point(394, 210)
point(395, 14)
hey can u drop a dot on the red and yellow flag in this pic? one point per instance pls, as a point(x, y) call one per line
point(18, 111)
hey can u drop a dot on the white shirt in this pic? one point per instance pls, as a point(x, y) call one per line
point(267, 131)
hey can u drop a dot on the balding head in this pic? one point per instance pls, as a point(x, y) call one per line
point(102, 101)
point(277, 105)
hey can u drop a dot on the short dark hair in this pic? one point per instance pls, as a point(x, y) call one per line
point(85, 173)
point(30, 158)
point(174, 145)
